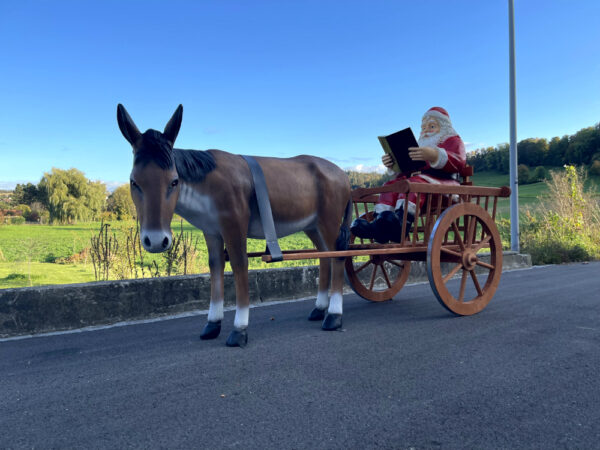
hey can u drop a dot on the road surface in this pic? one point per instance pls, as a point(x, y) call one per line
point(523, 373)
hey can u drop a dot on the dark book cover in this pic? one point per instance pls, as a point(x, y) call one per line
point(397, 145)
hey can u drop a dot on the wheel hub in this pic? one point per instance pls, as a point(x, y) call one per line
point(469, 260)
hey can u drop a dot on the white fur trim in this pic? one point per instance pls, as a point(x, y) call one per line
point(429, 179)
point(241, 317)
point(412, 207)
point(215, 311)
point(381, 207)
point(336, 303)
point(322, 300)
point(438, 115)
point(442, 159)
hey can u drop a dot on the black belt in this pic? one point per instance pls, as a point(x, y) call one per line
point(264, 208)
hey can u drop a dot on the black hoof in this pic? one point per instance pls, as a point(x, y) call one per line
point(316, 314)
point(332, 322)
point(237, 338)
point(211, 330)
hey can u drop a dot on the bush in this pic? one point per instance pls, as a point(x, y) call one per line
point(595, 168)
point(539, 174)
point(570, 230)
point(523, 174)
point(15, 220)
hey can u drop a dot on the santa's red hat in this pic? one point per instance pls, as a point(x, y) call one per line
point(438, 112)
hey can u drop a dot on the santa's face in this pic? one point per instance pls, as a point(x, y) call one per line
point(429, 127)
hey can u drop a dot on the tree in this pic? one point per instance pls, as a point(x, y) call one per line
point(26, 194)
point(120, 203)
point(523, 173)
point(70, 196)
point(539, 174)
point(557, 150)
point(532, 152)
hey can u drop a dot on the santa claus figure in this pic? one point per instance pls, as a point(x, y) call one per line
point(443, 153)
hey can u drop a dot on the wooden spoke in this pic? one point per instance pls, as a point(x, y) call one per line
point(483, 243)
point(397, 264)
point(385, 276)
point(471, 232)
point(363, 266)
point(476, 282)
point(457, 236)
point(463, 285)
point(486, 265)
point(373, 276)
point(451, 252)
point(452, 272)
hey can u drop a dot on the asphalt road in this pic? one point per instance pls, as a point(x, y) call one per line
point(523, 373)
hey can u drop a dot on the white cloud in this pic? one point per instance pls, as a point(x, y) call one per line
point(380, 168)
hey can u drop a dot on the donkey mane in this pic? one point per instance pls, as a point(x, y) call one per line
point(191, 165)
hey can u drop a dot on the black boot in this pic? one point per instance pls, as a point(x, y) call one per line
point(399, 213)
point(386, 227)
point(363, 229)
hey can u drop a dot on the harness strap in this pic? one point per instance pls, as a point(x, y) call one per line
point(264, 208)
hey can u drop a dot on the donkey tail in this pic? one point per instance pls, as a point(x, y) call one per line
point(343, 240)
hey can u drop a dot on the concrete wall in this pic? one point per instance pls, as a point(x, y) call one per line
point(63, 307)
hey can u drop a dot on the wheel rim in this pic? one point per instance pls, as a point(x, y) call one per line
point(462, 279)
point(378, 278)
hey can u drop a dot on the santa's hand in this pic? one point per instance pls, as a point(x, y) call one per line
point(387, 161)
point(423, 154)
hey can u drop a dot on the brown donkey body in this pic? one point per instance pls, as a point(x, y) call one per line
point(214, 191)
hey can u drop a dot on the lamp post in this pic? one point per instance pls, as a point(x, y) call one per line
point(514, 181)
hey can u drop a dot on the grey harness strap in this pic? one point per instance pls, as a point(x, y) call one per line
point(264, 208)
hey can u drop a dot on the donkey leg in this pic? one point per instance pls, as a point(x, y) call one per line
point(239, 264)
point(333, 318)
point(322, 302)
point(216, 263)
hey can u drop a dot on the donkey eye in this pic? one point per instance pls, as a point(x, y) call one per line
point(133, 183)
point(174, 183)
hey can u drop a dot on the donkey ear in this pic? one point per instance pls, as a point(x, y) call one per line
point(128, 128)
point(172, 128)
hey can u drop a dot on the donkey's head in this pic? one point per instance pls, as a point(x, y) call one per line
point(154, 182)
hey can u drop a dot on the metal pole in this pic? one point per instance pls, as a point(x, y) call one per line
point(514, 181)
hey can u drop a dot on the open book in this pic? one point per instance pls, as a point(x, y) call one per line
point(396, 145)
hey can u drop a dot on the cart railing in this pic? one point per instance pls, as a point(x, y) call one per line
point(437, 198)
point(414, 244)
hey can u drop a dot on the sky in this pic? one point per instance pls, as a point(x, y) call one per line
point(283, 77)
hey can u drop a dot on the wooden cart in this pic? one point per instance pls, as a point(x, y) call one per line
point(454, 232)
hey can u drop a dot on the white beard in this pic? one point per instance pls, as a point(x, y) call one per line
point(433, 140)
point(430, 140)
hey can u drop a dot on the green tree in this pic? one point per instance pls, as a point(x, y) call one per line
point(539, 174)
point(26, 194)
point(532, 152)
point(523, 173)
point(70, 196)
point(120, 203)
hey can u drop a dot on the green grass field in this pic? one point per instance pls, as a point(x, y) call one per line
point(29, 253)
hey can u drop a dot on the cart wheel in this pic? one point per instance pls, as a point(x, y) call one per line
point(459, 233)
point(380, 277)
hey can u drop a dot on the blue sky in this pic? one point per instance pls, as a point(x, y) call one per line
point(282, 77)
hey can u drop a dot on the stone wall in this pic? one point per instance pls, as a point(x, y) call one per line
point(52, 308)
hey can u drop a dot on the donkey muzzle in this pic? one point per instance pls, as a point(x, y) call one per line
point(156, 241)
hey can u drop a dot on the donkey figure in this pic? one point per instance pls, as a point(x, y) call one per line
point(214, 191)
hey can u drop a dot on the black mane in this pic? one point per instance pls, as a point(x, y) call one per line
point(191, 165)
